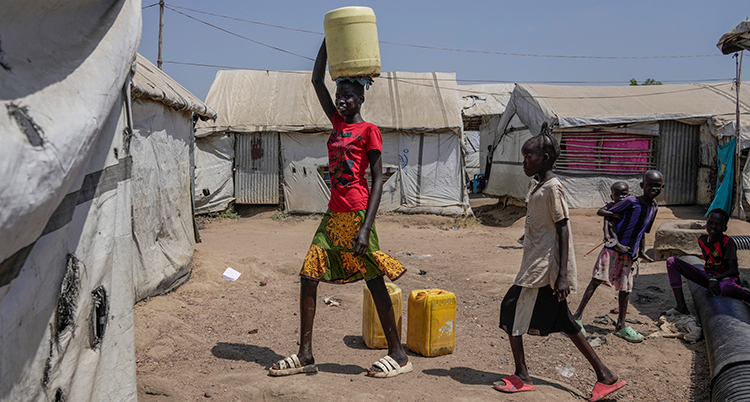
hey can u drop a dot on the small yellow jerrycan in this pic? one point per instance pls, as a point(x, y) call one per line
point(372, 329)
point(431, 329)
point(352, 42)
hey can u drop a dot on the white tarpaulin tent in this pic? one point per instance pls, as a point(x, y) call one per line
point(162, 150)
point(487, 102)
point(66, 254)
point(277, 113)
point(637, 110)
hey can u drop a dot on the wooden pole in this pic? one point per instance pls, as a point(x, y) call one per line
point(738, 212)
point(161, 31)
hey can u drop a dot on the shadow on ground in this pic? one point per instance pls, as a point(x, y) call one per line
point(248, 353)
point(248, 210)
point(470, 376)
point(499, 215)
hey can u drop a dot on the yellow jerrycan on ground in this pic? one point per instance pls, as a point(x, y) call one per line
point(352, 42)
point(431, 329)
point(372, 330)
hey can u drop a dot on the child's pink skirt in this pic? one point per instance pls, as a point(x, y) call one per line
point(614, 269)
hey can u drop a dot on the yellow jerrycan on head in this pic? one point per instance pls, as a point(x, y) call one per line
point(372, 329)
point(352, 42)
point(431, 329)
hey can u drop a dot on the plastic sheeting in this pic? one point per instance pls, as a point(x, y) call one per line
point(304, 188)
point(506, 175)
point(736, 40)
point(214, 173)
point(250, 101)
point(151, 83)
point(725, 178)
point(485, 99)
point(162, 211)
point(432, 186)
point(627, 109)
point(66, 196)
point(405, 106)
point(471, 141)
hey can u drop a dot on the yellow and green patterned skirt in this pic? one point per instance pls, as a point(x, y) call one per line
point(331, 255)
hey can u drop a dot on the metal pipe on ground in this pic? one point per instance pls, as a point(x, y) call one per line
point(726, 327)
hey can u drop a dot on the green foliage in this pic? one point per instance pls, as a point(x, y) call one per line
point(649, 81)
point(229, 213)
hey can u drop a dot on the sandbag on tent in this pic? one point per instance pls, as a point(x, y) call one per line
point(66, 267)
point(162, 151)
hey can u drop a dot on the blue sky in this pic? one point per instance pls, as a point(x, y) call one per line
point(580, 28)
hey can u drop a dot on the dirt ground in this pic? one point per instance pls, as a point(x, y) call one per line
point(212, 339)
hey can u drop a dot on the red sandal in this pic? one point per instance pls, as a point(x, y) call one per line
point(513, 384)
point(602, 390)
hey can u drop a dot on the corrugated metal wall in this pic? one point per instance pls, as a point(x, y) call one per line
point(256, 176)
point(677, 160)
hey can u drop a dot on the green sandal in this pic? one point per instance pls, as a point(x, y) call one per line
point(583, 330)
point(629, 335)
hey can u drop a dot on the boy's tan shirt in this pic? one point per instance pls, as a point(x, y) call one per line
point(541, 258)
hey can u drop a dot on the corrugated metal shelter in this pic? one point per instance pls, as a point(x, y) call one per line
point(161, 148)
point(615, 133)
point(276, 114)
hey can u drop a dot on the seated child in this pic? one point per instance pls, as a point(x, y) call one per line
point(720, 274)
point(620, 191)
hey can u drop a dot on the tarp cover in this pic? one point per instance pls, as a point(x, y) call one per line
point(260, 101)
point(65, 224)
point(419, 115)
point(580, 106)
point(485, 99)
point(488, 101)
point(624, 109)
point(736, 40)
point(162, 210)
point(151, 83)
point(214, 173)
point(161, 147)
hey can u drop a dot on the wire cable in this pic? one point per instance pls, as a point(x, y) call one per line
point(426, 83)
point(249, 21)
point(238, 35)
point(155, 4)
point(460, 50)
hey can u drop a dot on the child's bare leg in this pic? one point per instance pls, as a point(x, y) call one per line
point(519, 358)
point(603, 374)
point(623, 299)
point(384, 306)
point(679, 298)
point(307, 300)
point(586, 297)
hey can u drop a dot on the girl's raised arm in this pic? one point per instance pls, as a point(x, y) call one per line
point(318, 81)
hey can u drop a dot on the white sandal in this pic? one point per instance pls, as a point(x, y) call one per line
point(291, 365)
point(389, 367)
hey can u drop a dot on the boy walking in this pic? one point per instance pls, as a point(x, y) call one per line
point(536, 304)
point(615, 268)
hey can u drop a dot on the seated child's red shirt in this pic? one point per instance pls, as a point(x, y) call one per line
point(348, 161)
point(716, 254)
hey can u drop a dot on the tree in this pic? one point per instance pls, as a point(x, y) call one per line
point(649, 81)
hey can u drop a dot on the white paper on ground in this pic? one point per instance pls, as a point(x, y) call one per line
point(231, 275)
